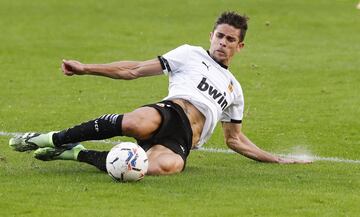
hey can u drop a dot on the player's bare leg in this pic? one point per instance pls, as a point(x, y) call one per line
point(163, 161)
point(141, 123)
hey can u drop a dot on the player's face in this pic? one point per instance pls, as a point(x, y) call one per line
point(224, 43)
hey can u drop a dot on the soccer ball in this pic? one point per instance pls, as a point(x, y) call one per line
point(127, 162)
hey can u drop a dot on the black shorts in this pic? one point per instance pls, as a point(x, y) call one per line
point(174, 132)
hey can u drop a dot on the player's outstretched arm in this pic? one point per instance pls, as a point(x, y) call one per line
point(237, 141)
point(126, 70)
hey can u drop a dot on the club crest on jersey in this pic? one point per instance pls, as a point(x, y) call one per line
point(231, 87)
point(213, 92)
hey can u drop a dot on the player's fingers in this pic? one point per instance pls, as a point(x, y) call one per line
point(65, 62)
point(65, 70)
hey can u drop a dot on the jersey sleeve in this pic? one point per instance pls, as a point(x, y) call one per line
point(234, 113)
point(173, 60)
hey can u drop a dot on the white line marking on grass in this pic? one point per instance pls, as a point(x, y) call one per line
point(228, 151)
point(9, 134)
point(294, 156)
point(318, 158)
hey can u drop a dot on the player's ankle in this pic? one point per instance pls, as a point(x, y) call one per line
point(43, 140)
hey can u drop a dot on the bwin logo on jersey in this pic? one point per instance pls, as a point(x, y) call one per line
point(216, 95)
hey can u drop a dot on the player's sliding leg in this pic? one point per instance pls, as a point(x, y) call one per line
point(75, 152)
point(31, 141)
point(139, 124)
point(95, 158)
point(66, 152)
point(162, 161)
point(106, 126)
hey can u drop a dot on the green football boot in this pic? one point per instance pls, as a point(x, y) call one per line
point(31, 141)
point(66, 152)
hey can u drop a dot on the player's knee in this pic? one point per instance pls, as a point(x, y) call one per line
point(161, 170)
point(131, 127)
point(165, 168)
point(128, 125)
point(140, 125)
point(171, 168)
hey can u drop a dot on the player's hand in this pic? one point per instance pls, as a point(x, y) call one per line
point(282, 160)
point(72, 67)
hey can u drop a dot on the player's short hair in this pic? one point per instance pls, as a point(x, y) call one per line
point(233, 19)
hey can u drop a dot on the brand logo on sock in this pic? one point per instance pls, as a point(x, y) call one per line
point(96, 126)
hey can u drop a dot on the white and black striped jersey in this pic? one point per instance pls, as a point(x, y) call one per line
point(207, 84)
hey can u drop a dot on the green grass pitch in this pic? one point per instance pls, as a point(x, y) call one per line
point(300, 71)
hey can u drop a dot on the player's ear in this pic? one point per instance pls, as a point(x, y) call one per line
point(240, 46)
point(211, 35)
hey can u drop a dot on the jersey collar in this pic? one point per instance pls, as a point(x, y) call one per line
point(222, 65)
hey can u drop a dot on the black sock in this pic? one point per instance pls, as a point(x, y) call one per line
point(95, 158)
point(104, 127)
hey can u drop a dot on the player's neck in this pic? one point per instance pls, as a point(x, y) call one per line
point(225, 66)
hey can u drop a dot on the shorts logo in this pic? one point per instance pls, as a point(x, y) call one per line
point(214, 93)
point(182, 148)
point(160, 104)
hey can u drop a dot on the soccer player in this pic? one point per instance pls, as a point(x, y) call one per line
point(202, 91)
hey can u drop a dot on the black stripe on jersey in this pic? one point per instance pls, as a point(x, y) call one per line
point(222, 65)
point(161, 62)
point(235, 121)
point(164, 64)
